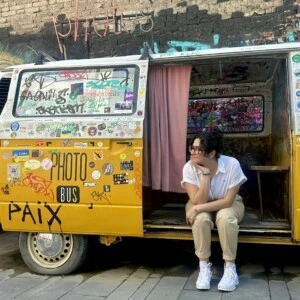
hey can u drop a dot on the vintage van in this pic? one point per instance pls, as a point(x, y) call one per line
point(96, 147)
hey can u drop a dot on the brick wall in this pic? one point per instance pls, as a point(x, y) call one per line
point(27, 26)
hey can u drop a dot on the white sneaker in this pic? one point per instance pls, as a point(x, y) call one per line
point(204, 277)
point(229, 280)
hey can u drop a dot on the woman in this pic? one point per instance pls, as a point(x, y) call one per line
point(212, 182)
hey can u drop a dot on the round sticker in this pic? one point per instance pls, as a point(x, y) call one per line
point(32, 164)
point(107, 169)
point(92, 164)
point(96, 174)
point(15, 126)
point(100, 144)
point(137, 153)
point(123, 156)
point(46, 164)
point(5, 156)
point(92, 131)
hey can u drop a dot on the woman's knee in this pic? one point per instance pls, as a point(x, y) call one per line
point(203, 219)
point(225, 219)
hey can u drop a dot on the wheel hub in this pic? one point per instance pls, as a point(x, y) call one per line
point(49, 245)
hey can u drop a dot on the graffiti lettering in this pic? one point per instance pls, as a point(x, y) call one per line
point(197, 91)
point(38, 184)
point(57, 110)
point(100, 196)
point(112, 83)
point(39, 212)
point(73, 74)
point(69, 166)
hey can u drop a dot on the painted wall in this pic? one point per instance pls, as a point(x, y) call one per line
point(97, 28)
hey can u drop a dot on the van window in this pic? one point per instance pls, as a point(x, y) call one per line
point(231, 115)
point(4, 87)
point(77, 92)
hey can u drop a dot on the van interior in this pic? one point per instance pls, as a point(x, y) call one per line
point(247, 98)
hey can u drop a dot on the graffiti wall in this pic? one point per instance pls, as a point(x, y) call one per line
point(84, 29)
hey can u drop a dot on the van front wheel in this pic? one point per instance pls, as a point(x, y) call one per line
point(53, 254)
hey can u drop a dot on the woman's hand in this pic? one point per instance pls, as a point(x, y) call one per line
point(201, 169)
point(191, 215)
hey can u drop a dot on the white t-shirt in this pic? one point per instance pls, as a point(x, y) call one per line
point(229, 174)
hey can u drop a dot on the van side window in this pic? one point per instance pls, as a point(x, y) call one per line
point(77, 92)
point(240, 114)
point(4, 87)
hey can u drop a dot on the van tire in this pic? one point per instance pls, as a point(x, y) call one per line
point(53, 254)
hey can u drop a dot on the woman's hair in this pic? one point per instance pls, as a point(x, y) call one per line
point(210, 140)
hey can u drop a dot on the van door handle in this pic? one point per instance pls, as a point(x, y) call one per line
point(125, 143)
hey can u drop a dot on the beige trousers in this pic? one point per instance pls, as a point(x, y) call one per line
point(226, 220)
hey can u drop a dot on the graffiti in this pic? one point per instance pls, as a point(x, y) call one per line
point(180, 46)
point(97, 196)
point(73, 74)
point(52, 94)
point(108, 83)
point(198, 91)
point(38, 185)
point(69, 166)
point(35, 213)
point(111, 21)
point(61, 110)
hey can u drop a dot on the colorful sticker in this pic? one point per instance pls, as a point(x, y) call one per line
point(123, 156)
point(96, 174)
point(106, 188)
point(126, 165)
point(46, 164)
point(37, 153)
point(89, 184)
point(20, 155)
point(121, 178)
point(15, 126)
point(92, 131)
point(67, 194)
point(32, 164)
point(14, 171)
point(108, 169)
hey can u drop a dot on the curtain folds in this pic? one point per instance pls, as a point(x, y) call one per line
point(166, 136)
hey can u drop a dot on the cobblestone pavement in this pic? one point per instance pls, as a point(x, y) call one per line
point(146, 269)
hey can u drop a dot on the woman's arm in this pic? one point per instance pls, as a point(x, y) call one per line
point(213, 205)
point(198, 195)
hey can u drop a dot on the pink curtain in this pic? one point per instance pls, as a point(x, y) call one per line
point(168, 107)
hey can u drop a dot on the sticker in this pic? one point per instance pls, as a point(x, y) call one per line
point(20, 155)
point(89, 184)
point(64, 134)
point(126, 165)
point(92, 131)
point(96, 174)
point(137, 153)
point(66, 143)
point(67, 194)
point(40, 143)
point(37, 153)
point(106, 110)
point(92, 164)
point(101, 126)
point(5, 143)
point(298, 139)
point(129, 96)
point(139, 113)
point(46, 164)
point(32, 164)
point(5, 189)
point(76, 89)
point(14, 170)
point(298, 105)
point(106, 188)
point(98, 155)
point(80, 145)
point(13, 135)
point(142, 93)
point(100, 144)
point(123, 156)
point(15, 126)
point(121, 178)
point(108, 169)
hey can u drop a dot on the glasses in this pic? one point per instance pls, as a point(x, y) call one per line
point(196, 149)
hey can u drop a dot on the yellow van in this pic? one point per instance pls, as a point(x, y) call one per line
point(96, 147)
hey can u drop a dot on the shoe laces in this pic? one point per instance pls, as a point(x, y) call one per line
point(205, 272)
point(229, 275)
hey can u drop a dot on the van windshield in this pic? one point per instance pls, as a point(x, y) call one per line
point(77, 92)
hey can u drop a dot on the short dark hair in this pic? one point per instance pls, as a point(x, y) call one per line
point(210, 140)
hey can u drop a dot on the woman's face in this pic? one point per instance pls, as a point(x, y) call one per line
point(197, 152)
